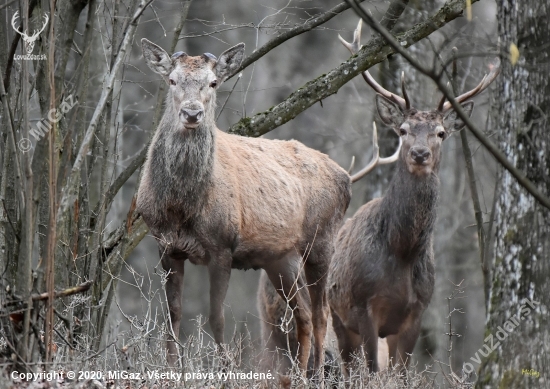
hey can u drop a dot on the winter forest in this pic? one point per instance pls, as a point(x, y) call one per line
point(123, 208)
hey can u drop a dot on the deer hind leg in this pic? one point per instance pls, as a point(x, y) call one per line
point(284, 278)
point(316, 276)
point(401, 345)
point(393, 341)
point(369, 334)
point(174, 287)
point(406, 342)
point(349, 343)
point(276, 343)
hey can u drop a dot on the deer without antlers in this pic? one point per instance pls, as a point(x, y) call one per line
point(29, 40)
point(381, 277)
point(225, 201)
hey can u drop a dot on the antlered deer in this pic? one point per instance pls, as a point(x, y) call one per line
point(381, 277)
point(277, 322)
point(225, 201)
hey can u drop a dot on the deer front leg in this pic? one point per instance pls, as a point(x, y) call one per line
point(219, 273)
point(174, 287)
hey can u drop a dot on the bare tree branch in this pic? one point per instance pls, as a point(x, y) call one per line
point(71, 188)
point(393, 13)
point(375, 51)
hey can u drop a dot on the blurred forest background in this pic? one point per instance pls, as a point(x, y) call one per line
point(92, 205)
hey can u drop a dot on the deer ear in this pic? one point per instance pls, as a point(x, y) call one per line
point(452, 122)
point(229, 61)
point(390, 113)
point(156, 58)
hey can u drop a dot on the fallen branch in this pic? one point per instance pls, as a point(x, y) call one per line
point(63, 293)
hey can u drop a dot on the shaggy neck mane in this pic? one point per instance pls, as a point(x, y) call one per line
point(187, 157)
point(408, 211)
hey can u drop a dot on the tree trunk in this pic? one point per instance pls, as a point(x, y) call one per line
point(522, 241)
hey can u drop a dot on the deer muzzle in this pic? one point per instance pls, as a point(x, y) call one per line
point(192, 115)
point(420, 155)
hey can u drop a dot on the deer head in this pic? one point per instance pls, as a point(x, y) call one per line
point(193, 81)
point(422, 132)
point(29, 40)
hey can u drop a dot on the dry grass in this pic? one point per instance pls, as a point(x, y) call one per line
point(136, 358)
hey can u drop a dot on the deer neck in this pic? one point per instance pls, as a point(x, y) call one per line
point(409, 212)
point(186, 157)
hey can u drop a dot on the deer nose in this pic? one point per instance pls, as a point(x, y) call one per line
point(192, 116)
point(420, 154)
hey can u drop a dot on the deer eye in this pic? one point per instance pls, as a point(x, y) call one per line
point(172, 82)
point(214, 84)
point(402, 131)
point(441, 134)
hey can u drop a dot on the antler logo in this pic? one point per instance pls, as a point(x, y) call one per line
point(29, 40)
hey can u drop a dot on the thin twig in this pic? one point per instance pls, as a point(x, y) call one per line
point(229, 95)
point(280, 39)
point(471, 177)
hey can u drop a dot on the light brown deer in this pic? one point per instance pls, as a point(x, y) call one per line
point(225, 201)
point(381, 277)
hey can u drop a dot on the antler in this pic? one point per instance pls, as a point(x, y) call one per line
point(36, 33)
point(485, 82)
point(376, 160)
point(354, 47)
point(13, 19)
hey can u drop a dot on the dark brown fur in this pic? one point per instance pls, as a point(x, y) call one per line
point(225, 201)
point(277, 343)
point(381, 277)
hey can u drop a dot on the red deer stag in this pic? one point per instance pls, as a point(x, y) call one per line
point(277, 323)
point(225, 201)
point(381, 277)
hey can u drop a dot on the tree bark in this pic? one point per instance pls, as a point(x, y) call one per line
point(522, 241)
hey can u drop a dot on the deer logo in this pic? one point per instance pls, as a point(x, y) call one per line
point(29, 40)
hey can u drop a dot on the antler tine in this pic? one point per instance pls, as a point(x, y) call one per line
point(13, 19)
point(379, 89)
point(376, 160)
point(352, 164)
point(354, 47)
point(485, 82)
point(394, 157)
point(405, 96)
point(442, 101)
